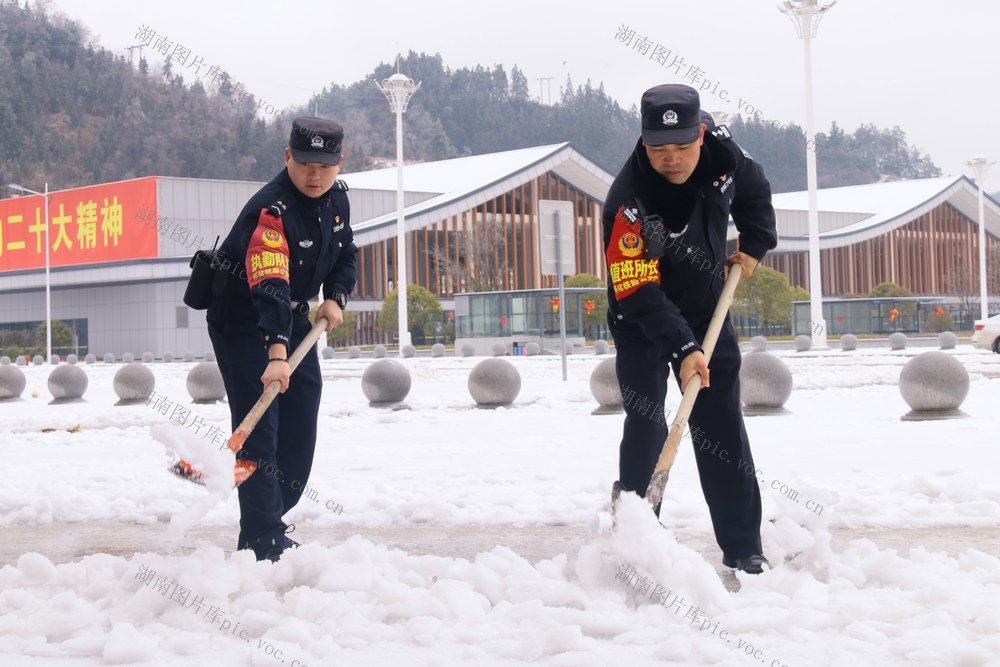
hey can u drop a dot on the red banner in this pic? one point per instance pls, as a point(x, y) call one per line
point(100, 223)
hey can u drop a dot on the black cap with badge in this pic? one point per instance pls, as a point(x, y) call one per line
point(671, 114)
point(316, 140)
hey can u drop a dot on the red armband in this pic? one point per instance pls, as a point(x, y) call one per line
point(628, 268)
point(267, 255)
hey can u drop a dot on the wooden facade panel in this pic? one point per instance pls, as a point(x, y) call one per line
point(924, 256)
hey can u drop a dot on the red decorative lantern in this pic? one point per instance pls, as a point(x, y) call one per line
point(893, 314)
point(588, 306)
point(555, 304)
point(503, 320)
point(938, 310)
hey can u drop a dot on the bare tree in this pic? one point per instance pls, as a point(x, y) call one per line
point(479, 261)
point(964, 284)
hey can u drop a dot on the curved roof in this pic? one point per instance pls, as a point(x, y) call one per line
point(457, 185)
point(856, 213)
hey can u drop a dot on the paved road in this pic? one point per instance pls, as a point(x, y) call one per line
point(64, 542)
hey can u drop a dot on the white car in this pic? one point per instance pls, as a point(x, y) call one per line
point(986, 334)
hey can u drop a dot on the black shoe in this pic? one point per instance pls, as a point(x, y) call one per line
point(272, 548)
point(750, 564)
point(289, 542)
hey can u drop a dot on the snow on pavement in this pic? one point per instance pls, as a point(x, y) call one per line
point(842, 459)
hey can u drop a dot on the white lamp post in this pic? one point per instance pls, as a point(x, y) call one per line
point(398, 89)
point(806, 15)
point(48, 297)
point(981, 165)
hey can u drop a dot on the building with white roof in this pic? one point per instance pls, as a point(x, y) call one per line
point(920, 234)
point(120, 251)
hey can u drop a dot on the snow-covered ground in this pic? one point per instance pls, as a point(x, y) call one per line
point(441, 534)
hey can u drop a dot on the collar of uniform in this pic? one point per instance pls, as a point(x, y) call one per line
point(721, 159)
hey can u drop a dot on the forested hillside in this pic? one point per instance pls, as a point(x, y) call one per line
point(73, 113)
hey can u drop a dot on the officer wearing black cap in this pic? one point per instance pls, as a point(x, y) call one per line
point(665, 221)
point(291, 241)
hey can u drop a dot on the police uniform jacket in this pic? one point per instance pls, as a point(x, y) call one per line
point(284, 248)
point(669, 296)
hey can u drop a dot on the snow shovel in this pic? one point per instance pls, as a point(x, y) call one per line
point(654, 492)
point(243, 468)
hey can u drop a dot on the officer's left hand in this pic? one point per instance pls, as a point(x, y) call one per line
point(330, 309)
point(746, 261)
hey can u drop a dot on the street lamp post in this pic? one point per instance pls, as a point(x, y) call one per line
point(805, 16)
point(981, 165)
point(48, 282)
point(398, 89)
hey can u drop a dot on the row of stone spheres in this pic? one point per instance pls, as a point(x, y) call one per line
point(934, 384)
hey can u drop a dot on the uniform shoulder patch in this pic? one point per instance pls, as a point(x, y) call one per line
point(278, 208)
point(340, 185)
point(722, 133)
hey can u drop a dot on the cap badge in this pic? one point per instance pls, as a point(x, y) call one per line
point(669, 117)
point(317, 142)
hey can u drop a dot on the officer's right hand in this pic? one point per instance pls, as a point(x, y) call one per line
point(692, 364)
point(277, 370)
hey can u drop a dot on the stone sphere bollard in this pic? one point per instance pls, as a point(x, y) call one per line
point(109, 358)
point(67, 384)
point(494, 383)
point(327, 353)
point(133, 383)
point(90, 359)
point(38, 360)
point(147, 357)
point(468, 350)
point(803, 343)
point(353, 352)
point(5, 360)
point(128, 358)
point(947, 340)
point(601, 347)
point(210, 356)
point(933, 384)
point(204, 383)
point(848, 342)
point(189, 356)
point(409, 351)
point(72, 359)
point(758, 344)
point(20, 361)
point(437, 350)
point(897, 341)
point(12, 381)
point(604, 386)
point(379, 352)
point(54, 360)
point(765, 385)
point(499, 349)
point(385, 382)
point(168, 357)
point(532, 349)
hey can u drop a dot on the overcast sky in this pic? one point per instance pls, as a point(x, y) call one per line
point(929, 67)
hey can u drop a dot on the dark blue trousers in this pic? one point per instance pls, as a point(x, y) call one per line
point(284, 440)
point(722, 448)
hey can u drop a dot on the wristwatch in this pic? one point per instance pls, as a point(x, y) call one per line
point(341, 299)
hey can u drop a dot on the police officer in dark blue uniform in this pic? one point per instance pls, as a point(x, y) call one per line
point(291, 240)
point(665, 222)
